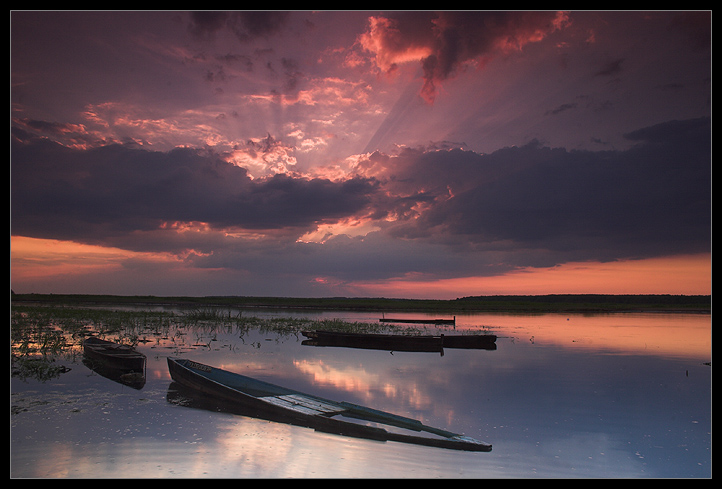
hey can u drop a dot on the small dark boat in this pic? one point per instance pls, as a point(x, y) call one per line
point(113, 354)
point(418, 321)
point(270, 400)
point(470, 341)
point(391, 342)
point(399, 342)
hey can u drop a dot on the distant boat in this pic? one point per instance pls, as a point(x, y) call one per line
point(470, 341)
point(308, 410)
point(399, 342)
point(392, 342)
point(113, 355)
point(418, 321)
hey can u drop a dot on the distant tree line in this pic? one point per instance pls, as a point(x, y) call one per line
point(497, 303)
point(669, 299)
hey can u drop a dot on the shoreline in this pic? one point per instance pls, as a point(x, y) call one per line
point(567, 303)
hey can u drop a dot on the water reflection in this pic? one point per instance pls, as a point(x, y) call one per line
point(621, 395)
point(674, 335)
point(131, 378)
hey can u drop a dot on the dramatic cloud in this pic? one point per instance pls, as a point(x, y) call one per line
point(93, 195)
point(592, 205)
point(336, 153)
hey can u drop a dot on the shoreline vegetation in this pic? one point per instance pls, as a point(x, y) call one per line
point(567, 303)
point(45, 327)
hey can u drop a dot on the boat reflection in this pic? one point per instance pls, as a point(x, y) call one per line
point(131, 378)
point(181, 395)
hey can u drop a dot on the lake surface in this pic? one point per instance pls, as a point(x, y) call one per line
point(563, 396)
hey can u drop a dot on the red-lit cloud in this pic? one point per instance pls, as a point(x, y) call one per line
point(444, 42)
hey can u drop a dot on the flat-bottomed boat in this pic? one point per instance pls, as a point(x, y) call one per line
point(309, 410)
point(113, 354)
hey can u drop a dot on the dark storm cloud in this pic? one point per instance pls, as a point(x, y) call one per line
point(466, 35)
point(455, 213)
point(442, 211)
point(94, 195)
point(70, 134)
point(651, 200)
point(455, 38)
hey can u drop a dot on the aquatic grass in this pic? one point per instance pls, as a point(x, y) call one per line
point(208, 313)
point(42, 334)
point(45, 332)
point(80, 322)
point(53, 328)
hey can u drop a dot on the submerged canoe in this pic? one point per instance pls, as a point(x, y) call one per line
point(308, 410)
point(113, 354)
point(399, 342)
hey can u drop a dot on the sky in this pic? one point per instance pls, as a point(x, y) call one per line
point(412, 154)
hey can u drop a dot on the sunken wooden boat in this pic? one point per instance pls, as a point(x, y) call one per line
point(436, 321)
point(268, 400)
point(114, 355)
point(399, 342)
point(370, 341)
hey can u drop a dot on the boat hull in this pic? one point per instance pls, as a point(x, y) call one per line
point(436, 321)
point(417, 343)
point(250, 395)
point(113, 355)
point(472, 342)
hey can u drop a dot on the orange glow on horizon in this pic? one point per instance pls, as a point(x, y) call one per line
point(36, 258)
point(684, 275)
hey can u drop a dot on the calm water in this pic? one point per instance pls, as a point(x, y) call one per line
point(623, 395)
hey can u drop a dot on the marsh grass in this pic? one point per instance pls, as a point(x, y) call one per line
point(41, 334)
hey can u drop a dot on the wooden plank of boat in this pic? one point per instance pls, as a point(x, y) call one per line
point(391, 342)
point(309, 410)
point(113, 354)
point(418, 321)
